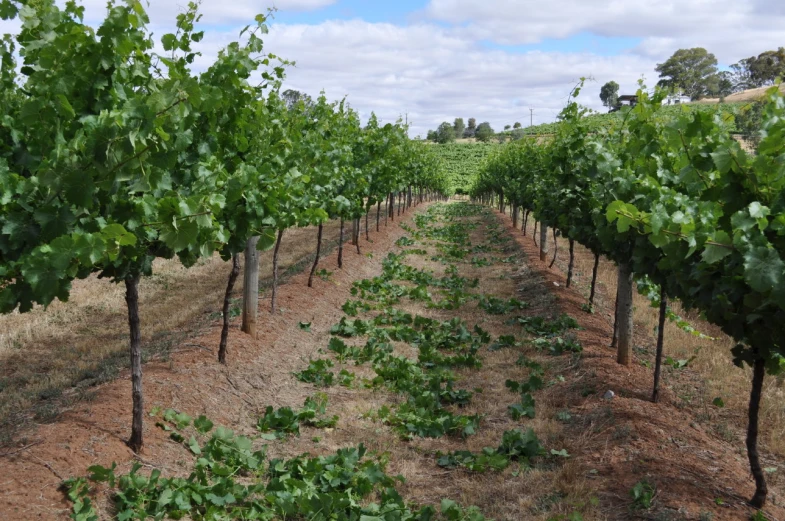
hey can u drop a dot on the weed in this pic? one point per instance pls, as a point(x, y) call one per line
point(284, 421)
point(515, 446)
point(642, 494)
point(317, 373)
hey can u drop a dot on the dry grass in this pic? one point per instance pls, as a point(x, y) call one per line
point(712, 373)
point(51, 358)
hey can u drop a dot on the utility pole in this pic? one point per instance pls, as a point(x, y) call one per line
point(531, 117)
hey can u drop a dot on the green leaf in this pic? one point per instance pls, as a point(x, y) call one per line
point(194, 446)
point(266, 239)
point(168, 41)
point(203, 425)
point(713, 253)
point(722, 160)
point(763, 269)
point(63, 106)
point(718, 402)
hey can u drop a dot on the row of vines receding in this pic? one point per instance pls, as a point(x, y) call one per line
point(115, 152)
point(681, 207)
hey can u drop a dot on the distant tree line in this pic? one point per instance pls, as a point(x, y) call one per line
point(447, 133)
point(694, 72)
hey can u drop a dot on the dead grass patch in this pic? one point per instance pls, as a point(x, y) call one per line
point(50, 359)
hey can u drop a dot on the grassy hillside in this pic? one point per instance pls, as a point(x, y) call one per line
point(616, 118)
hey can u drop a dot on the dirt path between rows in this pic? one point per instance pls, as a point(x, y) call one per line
point(604, 447)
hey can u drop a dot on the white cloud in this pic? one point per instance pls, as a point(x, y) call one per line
point(436, 74)
point(732, 29)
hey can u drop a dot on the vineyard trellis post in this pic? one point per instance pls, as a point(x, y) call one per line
point(251, 287)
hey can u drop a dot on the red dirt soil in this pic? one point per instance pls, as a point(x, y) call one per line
point(628, 438)
point(94, 433)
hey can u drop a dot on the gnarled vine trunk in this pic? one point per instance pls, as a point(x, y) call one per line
point(624, 312)
point(357, 234)
point(226, 304)
point(555, 249)
point(655, 394)
point(135, 344)
point(318, 253)
point(340, 246)
point(761, 490)
point(534, 235)
point(594, 280)
point(571, 265)
point(543, 242)
point(274, 298)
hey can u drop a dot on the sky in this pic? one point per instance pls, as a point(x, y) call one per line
point(431, 61)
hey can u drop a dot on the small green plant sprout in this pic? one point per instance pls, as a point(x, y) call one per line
point(305, 326)
point(718, 402)
point(678, 364)
point(317, 373)
point(643, 494)
point(324, 274)
point(560, 453)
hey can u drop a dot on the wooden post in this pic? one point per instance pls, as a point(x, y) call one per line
point(251, 287)
point(625, 283)
point(543, 242)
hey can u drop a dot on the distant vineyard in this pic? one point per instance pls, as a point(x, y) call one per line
point(462, 162)
point(598, 121)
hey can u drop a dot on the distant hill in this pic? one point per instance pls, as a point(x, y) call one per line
point(744, 96)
